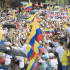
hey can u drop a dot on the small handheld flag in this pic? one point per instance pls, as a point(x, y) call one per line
point(28, 7)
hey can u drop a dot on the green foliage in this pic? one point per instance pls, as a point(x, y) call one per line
point(63, 1)
point(47, 1)
point(66, 2)
point(58, 1)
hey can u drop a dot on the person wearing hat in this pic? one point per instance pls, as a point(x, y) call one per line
point(46, 64)
point(53, 61)
point(2, 66)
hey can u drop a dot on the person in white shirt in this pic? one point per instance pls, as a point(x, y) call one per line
point(21, 62)
point(20, 58)
point(53, 61)
point(60, 51)
point(7, 60)
point(24, 48)
point(7, 57)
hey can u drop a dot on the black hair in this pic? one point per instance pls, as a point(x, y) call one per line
point(61, 42)
point(9, 40)
point(56, 54)
point(43, 53)
point(51, 45)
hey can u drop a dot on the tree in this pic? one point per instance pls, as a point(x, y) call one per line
point(66, 2)
point(47, 1)
point(60, 2)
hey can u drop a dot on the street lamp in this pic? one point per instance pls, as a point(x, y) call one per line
point(1, 8)
point(29, 1)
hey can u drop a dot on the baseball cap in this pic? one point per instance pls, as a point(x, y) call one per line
point(2, 61)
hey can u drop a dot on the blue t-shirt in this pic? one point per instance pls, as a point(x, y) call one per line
point(4, 67)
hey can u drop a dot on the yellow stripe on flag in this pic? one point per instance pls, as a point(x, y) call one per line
point(0, 34)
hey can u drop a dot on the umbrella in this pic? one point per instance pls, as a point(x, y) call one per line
point(35, 10)
point(2, 48)
point(19, 16)
point(9, 25)
point(15, 53)
point(43, 14)
point(11, 52)
point(24, 19)
point(32, 12)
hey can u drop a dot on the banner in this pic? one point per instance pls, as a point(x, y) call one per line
point(52, 15)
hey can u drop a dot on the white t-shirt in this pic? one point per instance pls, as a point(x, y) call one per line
point(47, 41)
point(21, 60)
point(54, 63)
point(41, 61)
point(56, 44)
point(68, 29)
point(7, 43)
point(60, 51)
point(49, 48)
point(7, 59)
point(24, 48)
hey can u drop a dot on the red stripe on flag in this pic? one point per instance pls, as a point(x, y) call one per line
point(35, 66)
point(39, 37)
point(33, 54)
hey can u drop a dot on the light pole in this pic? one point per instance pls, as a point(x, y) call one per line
point(29, 1)
point(58, 2)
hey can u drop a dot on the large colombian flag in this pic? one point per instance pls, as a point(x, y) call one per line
point(38, 48)
point(32, 65)
point(30, 53)
point(28, 7)
point(35, 33)
point(47, 31)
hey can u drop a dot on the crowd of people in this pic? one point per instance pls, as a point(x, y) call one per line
point(56, 44)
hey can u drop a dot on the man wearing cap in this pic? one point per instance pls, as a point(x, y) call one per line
point(2, 66)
